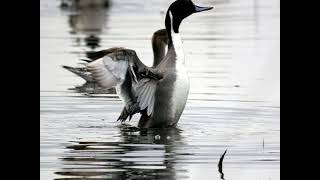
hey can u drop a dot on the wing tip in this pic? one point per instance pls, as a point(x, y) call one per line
point(66, 67)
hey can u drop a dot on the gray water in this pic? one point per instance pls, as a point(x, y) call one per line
point(233, 60)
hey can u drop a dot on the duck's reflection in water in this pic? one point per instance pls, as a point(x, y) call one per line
point(87, 24)
point(87, 21)
point(65, 4)
point(139, 155)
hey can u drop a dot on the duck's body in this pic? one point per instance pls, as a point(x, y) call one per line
point(159, 93)
point(170, 97)
point(172, 90)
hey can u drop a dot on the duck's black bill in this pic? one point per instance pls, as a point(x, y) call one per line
point(200, 9)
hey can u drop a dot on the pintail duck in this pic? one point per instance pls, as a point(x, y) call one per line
point(159, 93)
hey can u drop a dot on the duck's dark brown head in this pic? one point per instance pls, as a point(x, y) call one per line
point(179, 10)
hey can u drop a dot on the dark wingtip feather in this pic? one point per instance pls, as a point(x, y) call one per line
point(66, 67)
point(86, 60)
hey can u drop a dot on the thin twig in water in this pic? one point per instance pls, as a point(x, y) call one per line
point(220, 164)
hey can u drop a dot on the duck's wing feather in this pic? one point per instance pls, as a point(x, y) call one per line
point(111, 70)
point(91, 56)
point(80, 71)
point(146, 94)
point(99, 54)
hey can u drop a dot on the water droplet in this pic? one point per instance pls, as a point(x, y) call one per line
point(157, 137)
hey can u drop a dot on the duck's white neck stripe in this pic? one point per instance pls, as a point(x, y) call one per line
point(176, 41)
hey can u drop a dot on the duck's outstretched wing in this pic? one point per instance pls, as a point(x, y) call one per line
point(91, 56)
point(111, 71)
point(159, 47)
point(80, 71)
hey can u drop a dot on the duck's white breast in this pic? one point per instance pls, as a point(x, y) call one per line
point(180, 91)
